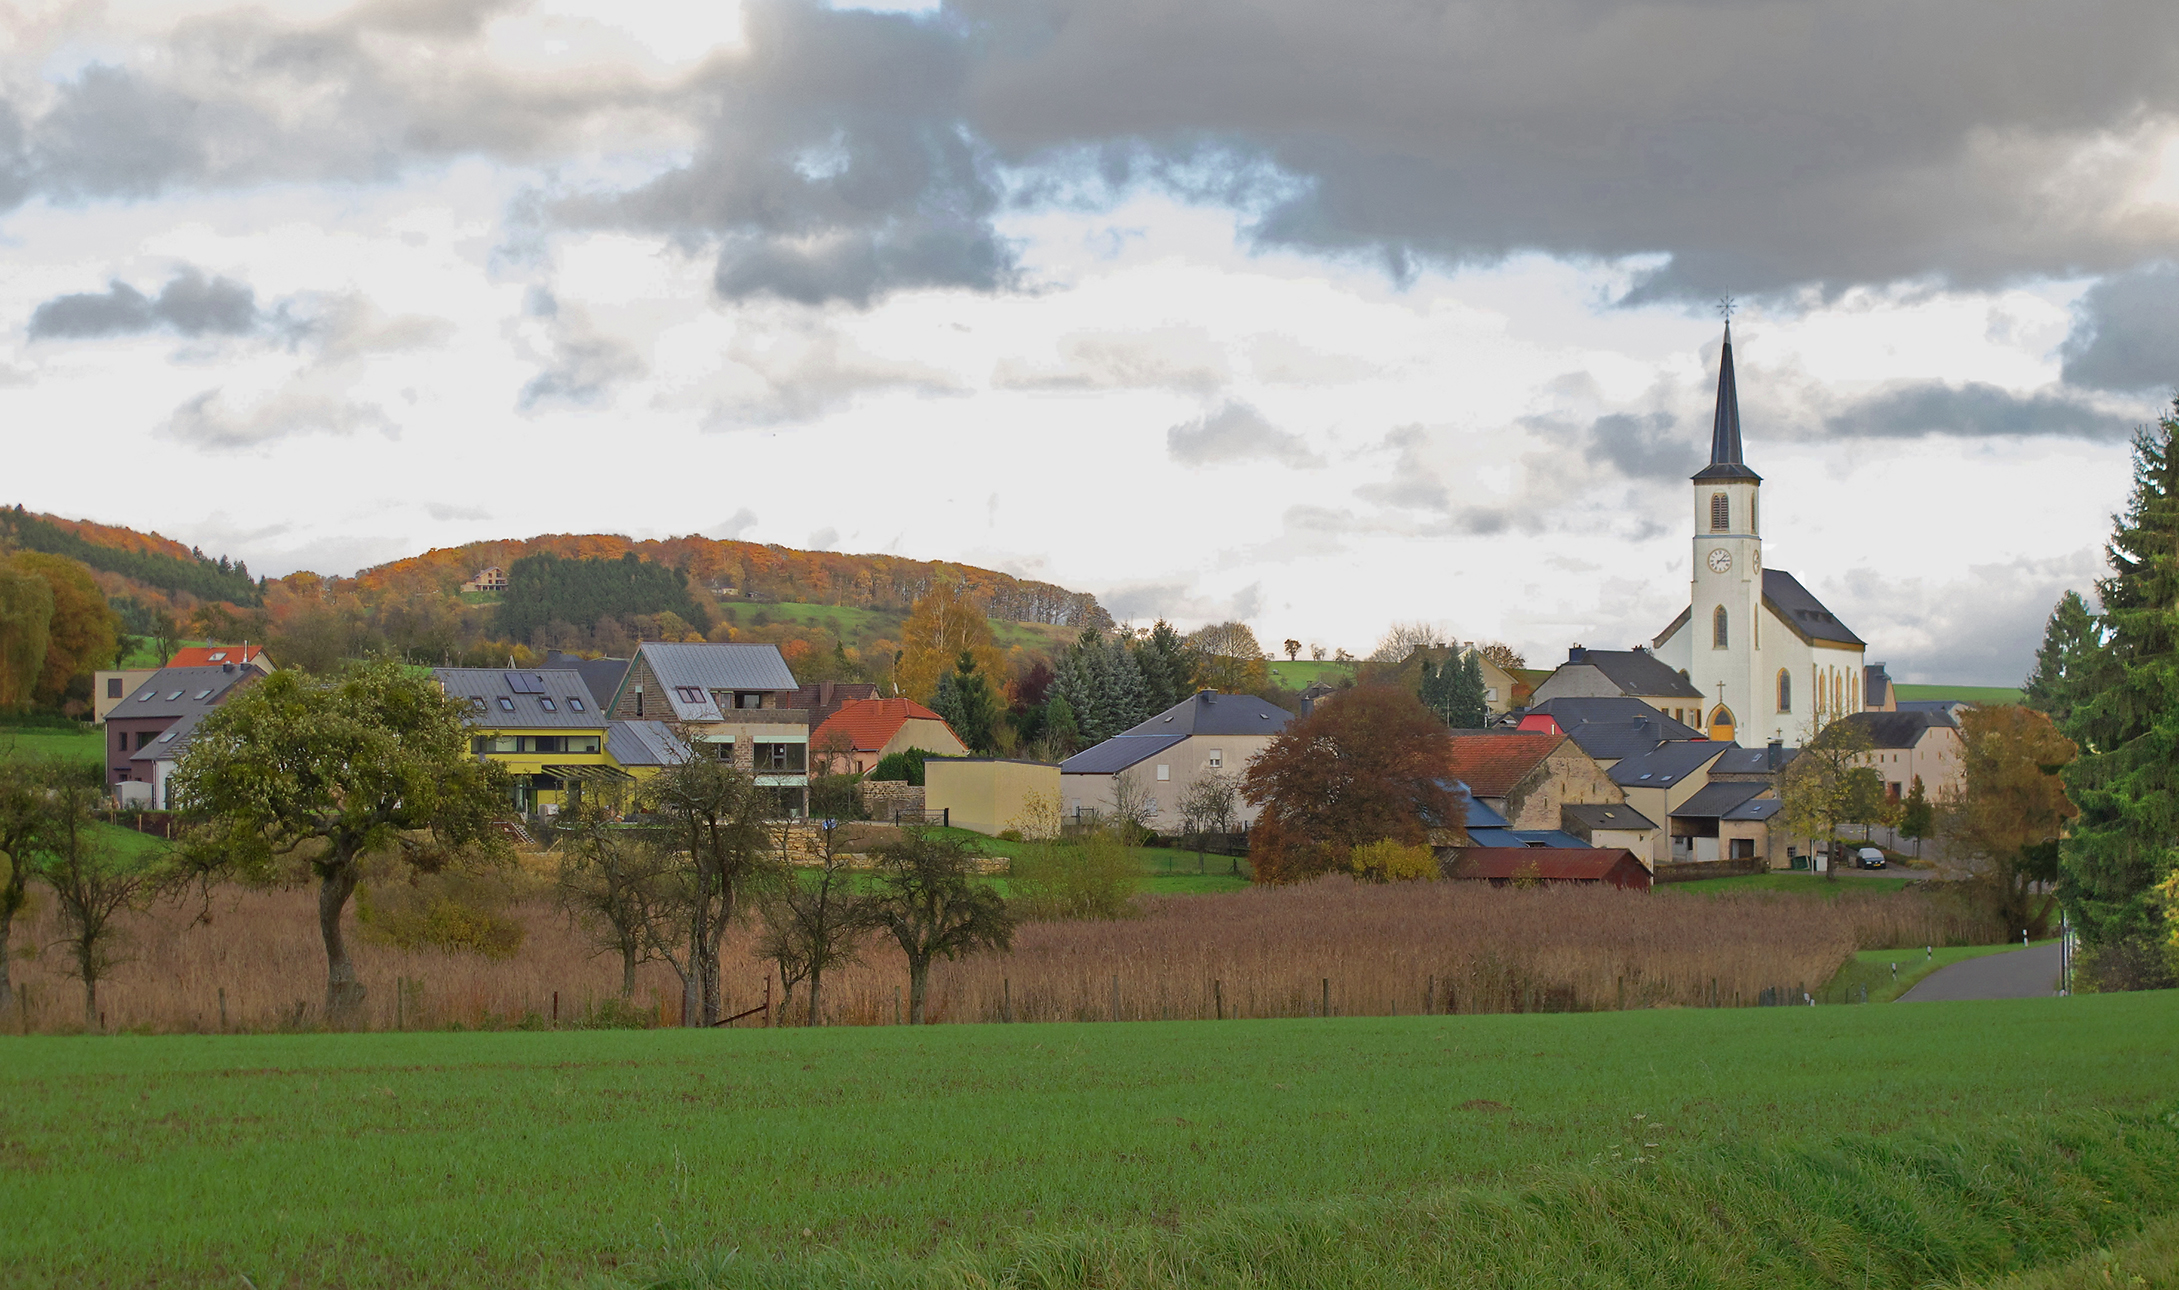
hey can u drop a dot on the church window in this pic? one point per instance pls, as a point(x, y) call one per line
point(1751, 515)
point(1721, 512)
point(1719, 637)
point(1785, 690)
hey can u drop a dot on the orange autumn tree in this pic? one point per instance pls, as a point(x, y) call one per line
point(2004, 828)
point(943, 623)
point(1368, 766)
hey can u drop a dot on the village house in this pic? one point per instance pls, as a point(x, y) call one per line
point(1906, 746)
point(863, 732)
point(1658, 782)
point(1633, 674)
point(542, 726)
point(109, 688)
point(492, 579)
point(1607, 825)
point(730, 702)
point(1527, 776)
point(164, 698)
point(1209, 734)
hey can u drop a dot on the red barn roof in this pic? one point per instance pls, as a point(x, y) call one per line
point(214, 655)
point(1491, 764)
point(870, 724)
point(1615, 865)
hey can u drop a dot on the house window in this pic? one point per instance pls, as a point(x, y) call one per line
point(113, 687)
point(506, 704)
point(547, 705)
point(143, 739)
point(575, 705)
point(1785, 690)
point(748, 700)
point(778, 757)
point(1721, 512)
point(1719, 637)
point(1216, 759)
point(689, 693)
point(1164, 772)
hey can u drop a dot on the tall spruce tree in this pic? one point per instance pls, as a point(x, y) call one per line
point(2065, 665)
point(2126, 782)
point(1168, 669)
point(1465, 708)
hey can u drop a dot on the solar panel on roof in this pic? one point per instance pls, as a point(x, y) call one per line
point(525, 683)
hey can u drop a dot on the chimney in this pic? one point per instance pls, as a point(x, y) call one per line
point(1776, 753)
point(226, 667)
point(1577, 654)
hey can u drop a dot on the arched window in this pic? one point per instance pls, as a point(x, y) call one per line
point(1853, 694)
point(1785, 690)
point(1721, 723)
point(1751, 515)
point(1719, 638)
point(1721, 512)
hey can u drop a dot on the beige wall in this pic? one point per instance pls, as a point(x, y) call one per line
point(1936, 757)
point(1636, 840)
point(987, 796)
point(1182, 765)
point(130, 679)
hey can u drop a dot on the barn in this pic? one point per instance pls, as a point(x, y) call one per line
point(1499, 866)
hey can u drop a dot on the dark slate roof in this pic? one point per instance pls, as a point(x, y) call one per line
point(1801, 611)
point(1608, 815)
point(1216, 714)
point(1712, 801)
point(644, 743)
point(1875, 684)
point(1669, 763)
point(1725, 460)
point(1900, 729)
point(710, 667)
point(1755, 808)
point(1637, 671)
point(178, 691)
point(1117, 754)
point(172, 740)
point(1949, 707)
point(1550, 838)
point(1571, 712)
point(602, 675)
point(502, 699)
point(1751, 761)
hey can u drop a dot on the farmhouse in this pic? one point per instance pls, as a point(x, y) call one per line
point(864, 732)
point(1159, 760)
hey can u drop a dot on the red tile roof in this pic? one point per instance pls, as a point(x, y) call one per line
point(1615, 865)
point(1491, 764)
point(202, 655)
point(870, 724)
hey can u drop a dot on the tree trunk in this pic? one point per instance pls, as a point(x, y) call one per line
point(7, 989)
point(627, 972)
point(919, 978)
point(691, 994)
point(343, 993)
point(90, 1000)
point(817, 982)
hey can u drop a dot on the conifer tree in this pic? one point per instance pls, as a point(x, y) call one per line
point(1436, 688)
point(965, 700)
point(2072, 647)
point(2126, 782)
point(1465, 708)
point(1168, 670)
point(1059, 725)
point(1127, 696)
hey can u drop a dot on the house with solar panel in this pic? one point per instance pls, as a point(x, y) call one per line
point(1162, 758)
point(543, 726)
point(146, 720)
point(732, 702)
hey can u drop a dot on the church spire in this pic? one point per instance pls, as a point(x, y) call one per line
point(1725, 460)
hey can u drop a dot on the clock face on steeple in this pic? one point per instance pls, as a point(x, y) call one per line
point(1721, 560)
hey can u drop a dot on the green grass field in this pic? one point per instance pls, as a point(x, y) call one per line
point(1970, 693)
point(88, 746)
point(1305, 673)
point(1811, 1146)
point(1873, 968)
point(1804, 884)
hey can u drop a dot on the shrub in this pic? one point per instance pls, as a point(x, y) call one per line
point(1389, 861)
point(1092, 876)
point(455, 913)
point(904, 765)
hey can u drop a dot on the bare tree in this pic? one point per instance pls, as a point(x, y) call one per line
point(927, 898)
point(615, 884)
point(1403, 639)
point(93, 884)
point(1208, 807)
point(1133, 806)
point(814, 920)
point(715, 823)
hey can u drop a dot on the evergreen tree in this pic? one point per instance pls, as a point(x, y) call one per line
point(1465, 708)
point(1434, 688)
point(965, 700)
point(1168, 670)
point(1127, 695)
point(2126, 782)
point(1059, 724)
point(1917, 817)
point(2072, 647)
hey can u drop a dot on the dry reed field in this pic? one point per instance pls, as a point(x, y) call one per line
point(250, 960)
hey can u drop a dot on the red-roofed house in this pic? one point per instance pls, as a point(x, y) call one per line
point(215, 655)
point(864, 731)
point(1500, 866)
point(1527, 776)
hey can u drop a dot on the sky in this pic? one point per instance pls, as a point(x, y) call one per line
point(1322, 317)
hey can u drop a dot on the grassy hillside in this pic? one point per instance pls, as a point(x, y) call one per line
point(1302, 674)
point(1871, 1145)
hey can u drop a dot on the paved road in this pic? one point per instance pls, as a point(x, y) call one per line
point(2031, 973)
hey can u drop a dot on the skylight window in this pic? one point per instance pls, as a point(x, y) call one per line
point(506, 704)
point(689, 693)
point(147, 696)
point(218, 656)
point(167, 736)
point(575, 705)
point(477, 701)
point(547, 705)
point(176, 695)
point(203, 694)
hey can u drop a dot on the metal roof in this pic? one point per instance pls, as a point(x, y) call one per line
point(1752, 761)
point(1668, 764)
point(172, 740)
point(1554, 838)
point(1615, 865)
point(1801, 611)
point(1606, 815)
point(706, 667)
point(1713, 801)
point(644, 743)
point(1491, 837)
point(602, 675)
point(178, 691)
point(502, 699)
point(1217, 714)
point(1725, 462)
point(1117, 754)
point(1635, 671)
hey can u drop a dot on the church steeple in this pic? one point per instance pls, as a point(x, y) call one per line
point(1725, 460)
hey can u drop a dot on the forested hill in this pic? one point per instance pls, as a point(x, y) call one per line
point(148, 561)
point(748, 570)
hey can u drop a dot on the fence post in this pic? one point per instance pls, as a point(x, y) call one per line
point(222, 1010)
point(1429, 994)
point(1622, 992)
point(1218, 998)
point(1006, 999)
point(555, 1009)
point(896, 1005)
point(1327, 1008)
point(1115, 996)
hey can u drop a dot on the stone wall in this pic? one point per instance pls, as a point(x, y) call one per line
point(883, 797)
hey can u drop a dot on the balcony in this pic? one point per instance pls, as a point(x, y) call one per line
point(764, 717)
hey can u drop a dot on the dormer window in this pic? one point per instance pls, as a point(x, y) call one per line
point(689, 693)
point(1721, 512)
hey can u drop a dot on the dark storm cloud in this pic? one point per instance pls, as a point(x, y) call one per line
point(834, 163)
point(191, 304)
point(2126, 334)
point(1974, 410)
point(1652, 445)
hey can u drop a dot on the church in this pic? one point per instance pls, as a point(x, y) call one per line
point(1770, 662)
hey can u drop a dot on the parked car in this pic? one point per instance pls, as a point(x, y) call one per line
point(1868, 858)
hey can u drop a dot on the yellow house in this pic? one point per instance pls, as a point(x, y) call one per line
point(542, 726)
point(988, 794)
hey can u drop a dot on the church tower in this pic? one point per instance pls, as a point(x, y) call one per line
point(1725, 598)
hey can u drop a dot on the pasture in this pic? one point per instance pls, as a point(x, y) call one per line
point(1883, 1146)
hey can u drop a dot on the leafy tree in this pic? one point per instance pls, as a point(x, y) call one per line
point(1390, 861)
point(2004, 829)
point(26, 621)
point(2126, 780)
point(1228, 659)
point(945, 621)
point(1918, 818)
point(25, 822)
point(715, 817)
point(84, 630)
point(966, 701)
point(814, 921)
point(2066, 662)
point(1292, 648)
point(1090, 875)
point(1367, 768)
point(615, 882)
point(1821, 787)
point(1208, 806)
point(928, 899)
point(1504, 655)
point(331, 771)
point(92, 881)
